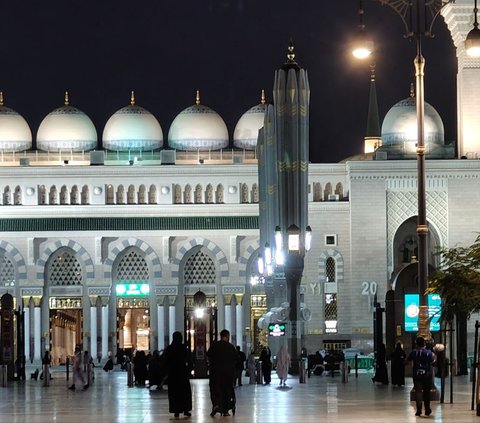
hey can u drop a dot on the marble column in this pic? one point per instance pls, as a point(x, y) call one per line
point(105, 331)
point(239, 324)
point(26, 333)
point(93, 332)
point(161, 327)
point(37, 333)
point(228, 315)
point(171, 320)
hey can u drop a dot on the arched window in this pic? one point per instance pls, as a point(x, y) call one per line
point(255, 193)
point(187, 194)
point(7, 196)
point(152, 194)
point(198, 194)
point(7, 269)
point(209, 194)
point(219, 194)
point(244, 194)
point(63, 195)
point(120, 195)
point(110, 195)
point(74, 196)
point(339, 191)
point(63, 268)
point(328, 191)
point(199, 268)
point(177, 194)
point(85, 195)
point(330, 270)
point(131, 266)
point(131, 195)
point(17, 196)
point(42, 195)
point(142, 196)
point(52, 196)
point(317, 191)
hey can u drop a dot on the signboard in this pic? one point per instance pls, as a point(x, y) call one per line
point(412, 303)
point(276, 329)
point(132, 289)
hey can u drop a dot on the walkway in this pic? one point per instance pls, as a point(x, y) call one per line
point(321, 399)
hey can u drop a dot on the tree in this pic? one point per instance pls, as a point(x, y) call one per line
point(458, 284)
point(458, 281)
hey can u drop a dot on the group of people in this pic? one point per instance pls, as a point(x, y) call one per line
point(422, 360)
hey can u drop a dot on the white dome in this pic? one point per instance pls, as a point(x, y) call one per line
point(246, 131)
point(198, 128)
point(15, 134)
point(66, 129)
point(400, 125)
point(132, 128)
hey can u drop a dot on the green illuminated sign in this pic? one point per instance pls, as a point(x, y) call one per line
point(132, 289)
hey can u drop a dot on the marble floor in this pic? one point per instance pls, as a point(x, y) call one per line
point(321, 399)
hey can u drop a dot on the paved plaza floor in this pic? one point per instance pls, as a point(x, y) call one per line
point(321, 399)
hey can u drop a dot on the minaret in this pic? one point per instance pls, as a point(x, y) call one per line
point(283, 187)
point(459, 17)
point(373, 138)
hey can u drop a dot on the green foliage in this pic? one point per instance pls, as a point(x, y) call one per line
point(458, 280)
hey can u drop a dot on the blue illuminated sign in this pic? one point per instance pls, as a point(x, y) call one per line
point(412, 303)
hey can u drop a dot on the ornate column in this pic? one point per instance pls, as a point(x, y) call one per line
point(239, 320)
point(227, 299)
point(161, 323)
point(171, 316)
point(104, 328)
point(93, 331)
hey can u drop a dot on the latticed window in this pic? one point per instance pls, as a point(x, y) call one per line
point(199, 268)
point(64, 269)
point(330, 310)
point(7, 270)
point(132, 267)
point(330, 270)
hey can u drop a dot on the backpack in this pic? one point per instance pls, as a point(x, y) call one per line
point(423, 367)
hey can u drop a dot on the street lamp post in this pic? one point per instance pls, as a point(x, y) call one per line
point(413, 14)
point(282, 152)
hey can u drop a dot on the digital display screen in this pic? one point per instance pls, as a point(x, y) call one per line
point(132, 289)
point(412, 303)
point(276, 329)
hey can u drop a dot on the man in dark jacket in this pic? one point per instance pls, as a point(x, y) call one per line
point(223, 359)
point(422, 360)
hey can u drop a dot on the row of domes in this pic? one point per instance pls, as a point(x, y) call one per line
point(131, 128)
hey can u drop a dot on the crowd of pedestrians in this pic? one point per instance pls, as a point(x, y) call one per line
point(226, 366)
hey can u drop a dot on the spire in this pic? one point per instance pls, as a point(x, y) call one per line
point(290, 63)
point(1, 98)
point(373, 134)
point(262, 97)
point(197, 98)
point(66, 100)
point(132, 98)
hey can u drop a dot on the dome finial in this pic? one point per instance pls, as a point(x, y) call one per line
point(66, 100)
point(1, 98)
point(262, 98)
point(197, 97)
point(132, 98)
point(291, 52)
point(412, 90)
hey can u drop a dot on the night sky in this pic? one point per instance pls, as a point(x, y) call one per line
point(99, 50)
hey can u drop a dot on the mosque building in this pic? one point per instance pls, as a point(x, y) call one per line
point(107, 241)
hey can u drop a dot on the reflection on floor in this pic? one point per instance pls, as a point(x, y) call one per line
point(321, 399)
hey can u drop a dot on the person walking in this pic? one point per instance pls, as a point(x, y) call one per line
point(266, 359)
point(223, 358)
point(78, 373)
point(252, 368)
point(140, 370)
point(398, 365)
point(422, 360)
point(381, 373)
point(283, 364)
point(240, 365)
point(178, 361)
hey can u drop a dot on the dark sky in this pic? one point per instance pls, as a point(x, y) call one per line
point(99, 50)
